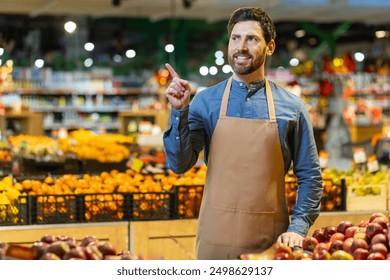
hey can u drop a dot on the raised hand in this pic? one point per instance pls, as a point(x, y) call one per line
point(178, 91)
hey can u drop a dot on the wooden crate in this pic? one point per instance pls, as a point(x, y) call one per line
point(170, 240)
point(370, 202)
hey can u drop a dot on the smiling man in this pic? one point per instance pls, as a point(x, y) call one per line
point(251, 131)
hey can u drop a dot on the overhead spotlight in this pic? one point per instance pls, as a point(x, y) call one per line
point(187, 3)
point(116, 3)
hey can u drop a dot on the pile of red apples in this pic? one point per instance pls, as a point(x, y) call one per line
point(368, 240)
point(53, 247)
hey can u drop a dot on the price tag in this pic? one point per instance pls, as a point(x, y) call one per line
point(372, 164)
point(135, 164)
point(359, 155)
point(324, 158)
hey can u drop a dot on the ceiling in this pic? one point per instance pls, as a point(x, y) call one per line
point(370, 11)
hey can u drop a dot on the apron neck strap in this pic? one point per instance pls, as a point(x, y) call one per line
point(268, 91)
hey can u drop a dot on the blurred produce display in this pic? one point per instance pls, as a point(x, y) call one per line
point(332, 191)
point(108, 196)
point(104, 148)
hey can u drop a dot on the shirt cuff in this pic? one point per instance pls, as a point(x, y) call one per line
point(179, 118)
point(299, 226)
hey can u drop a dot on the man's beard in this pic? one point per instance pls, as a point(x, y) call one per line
point(242, 69)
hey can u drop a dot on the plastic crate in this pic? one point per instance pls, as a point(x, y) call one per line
point(5, 167)
point(334, 196)
point(188, 201)
point(152, 206)
point(103, 207)
point(15, 214)
point(41, 166)
point(55, 209)
point(94, 166)
point(347, 149)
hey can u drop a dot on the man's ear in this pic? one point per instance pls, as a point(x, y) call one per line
point(271, 47)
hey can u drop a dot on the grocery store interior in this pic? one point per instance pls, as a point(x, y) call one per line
point(83, 111)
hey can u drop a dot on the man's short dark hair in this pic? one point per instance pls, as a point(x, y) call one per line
point(256, 14)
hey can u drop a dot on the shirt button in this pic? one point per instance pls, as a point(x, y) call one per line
point(240, 84)
point(247, 99)
point(177, 137)
point(177, 118)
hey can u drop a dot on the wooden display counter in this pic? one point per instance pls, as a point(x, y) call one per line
point(25, 122)
point(171, 240)
point(115, 233)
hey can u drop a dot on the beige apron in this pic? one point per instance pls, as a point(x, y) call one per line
point(244, 207)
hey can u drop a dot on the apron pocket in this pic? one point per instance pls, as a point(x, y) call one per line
point(255, 230)
point(217, 225)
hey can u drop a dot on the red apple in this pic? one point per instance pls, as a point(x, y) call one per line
point(377, 214)
point(3, 249)
point(60, 248)
point(337, 236)
point(39, 248)
point(309, 243)
point(127, 255)
point(358, 243)
point(49, 238)
point(282, 256)
point(382, 221)
point(75, 253)
point(350, 231)
point(336, 245)
point(321, 246)
point(319, 235)
point(375, 256)
point(347, 244)
point(329, 231)
point(300, 255)
point(92, 252)
point(107, 248)
point(89, 239)
point(361, 229)
point(379, 248)
point(341, 255)
point(360, 235)
point(343, 225)
point(321, 254)
point(373, 229)
point(112, 257)
point(49, 256)
point(360, 254)
point(379, 238)
point(363, 223)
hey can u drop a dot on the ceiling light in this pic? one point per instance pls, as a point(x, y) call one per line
point(70, 26)
point(381, 34)
point(300, 33)
point(359, 56)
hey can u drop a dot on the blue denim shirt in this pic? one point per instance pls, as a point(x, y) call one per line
point(190, 130)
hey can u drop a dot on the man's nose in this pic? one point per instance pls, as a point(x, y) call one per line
point(243, 45)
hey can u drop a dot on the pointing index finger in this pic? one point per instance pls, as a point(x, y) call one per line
point(171, 71)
